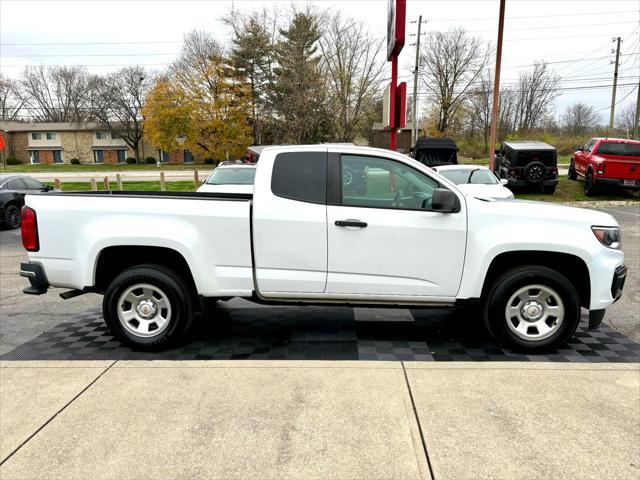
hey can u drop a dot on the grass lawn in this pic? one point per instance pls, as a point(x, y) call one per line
point(573, 191)
point(97, 167)
point(181, 186)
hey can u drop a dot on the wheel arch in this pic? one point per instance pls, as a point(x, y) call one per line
point(571, 266)
point(112, 260)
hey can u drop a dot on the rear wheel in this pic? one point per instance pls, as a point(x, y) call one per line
point(572, 174)
point(148, 307)
point(589, 187)
point(11, 216)
point(532, 308)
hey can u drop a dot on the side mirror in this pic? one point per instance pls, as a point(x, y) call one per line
point(504, 181)
point(577, 148)
point(445, 201)
point(496, 151)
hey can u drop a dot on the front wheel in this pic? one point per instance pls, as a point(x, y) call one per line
point(148, 307)
point(532, 308)
point(571, 173)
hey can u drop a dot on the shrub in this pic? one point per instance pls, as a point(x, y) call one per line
point(150, 160)
point(208, 161)
point(131, 161)
point(74, 161)
point(11, 160)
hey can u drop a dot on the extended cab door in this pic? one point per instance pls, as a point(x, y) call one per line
point(384, 239)
point(289, 221)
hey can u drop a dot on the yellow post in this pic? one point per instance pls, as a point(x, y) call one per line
point(196, 180)
point(94, 187)
point(106, 184)
point(163, 186)
point(119, 181)
point(57, 184)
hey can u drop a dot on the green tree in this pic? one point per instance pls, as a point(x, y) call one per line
point(252, 56)
point(299, 97)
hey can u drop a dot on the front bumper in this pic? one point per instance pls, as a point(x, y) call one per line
point(524, 183)
point(615, 183)
point(37, 278)
point(617, 285)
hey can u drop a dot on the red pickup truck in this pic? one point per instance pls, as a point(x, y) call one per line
point(607, 162)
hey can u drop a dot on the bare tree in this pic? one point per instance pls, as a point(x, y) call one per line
point(10, 102)
point(626, 118)
point(118, 99)
point(354, 68)
point(536, 92)
point(56, 94)
point(480, 108)
point(452, 62)
point(578, 118)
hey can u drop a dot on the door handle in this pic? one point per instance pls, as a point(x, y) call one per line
point(351, 223)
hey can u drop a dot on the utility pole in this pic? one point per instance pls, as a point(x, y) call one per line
point(615, 84)
point(636, 127)
point(414, 110)
point(496, 90)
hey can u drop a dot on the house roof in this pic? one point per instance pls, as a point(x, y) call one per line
point(50, 126)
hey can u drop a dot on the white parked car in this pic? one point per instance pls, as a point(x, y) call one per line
point(394, 232)
point(475, 181)
point(230, 178)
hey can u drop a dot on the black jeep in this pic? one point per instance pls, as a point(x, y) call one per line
point(528, 164)
point(434, 152)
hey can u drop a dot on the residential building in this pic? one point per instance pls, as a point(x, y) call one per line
point(89, 142)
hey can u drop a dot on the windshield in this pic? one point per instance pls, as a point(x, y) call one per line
point(232, 176)
point(479, 176)
point(624, 149)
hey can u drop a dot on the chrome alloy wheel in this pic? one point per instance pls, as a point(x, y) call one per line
point(534, 312)
point(144, 310)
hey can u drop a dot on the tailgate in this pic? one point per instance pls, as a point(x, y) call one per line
point(619, 168)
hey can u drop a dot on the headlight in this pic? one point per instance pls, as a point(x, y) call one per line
point(608, 236)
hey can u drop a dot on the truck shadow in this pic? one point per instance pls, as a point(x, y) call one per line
point(324, 333)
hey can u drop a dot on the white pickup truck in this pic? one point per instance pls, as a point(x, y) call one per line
point(326, 224)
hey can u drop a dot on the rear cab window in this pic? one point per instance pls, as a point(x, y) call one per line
point(619, 148)
point(300, 176)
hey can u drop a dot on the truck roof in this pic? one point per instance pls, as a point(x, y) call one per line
point(528, 145)
point(617, 140)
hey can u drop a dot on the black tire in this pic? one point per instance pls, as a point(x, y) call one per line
point(11, 217)
point(535, 172)
point(506, 286)
point(589, 187)
point(178, 295)
point(572, 174)
point(549, 189)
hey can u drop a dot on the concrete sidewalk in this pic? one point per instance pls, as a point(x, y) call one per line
point(303, 419)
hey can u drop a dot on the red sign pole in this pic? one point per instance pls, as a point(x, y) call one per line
point(392, 102)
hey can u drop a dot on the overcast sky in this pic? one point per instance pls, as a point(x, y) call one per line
point(574, 36)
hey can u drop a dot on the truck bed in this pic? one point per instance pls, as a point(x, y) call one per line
point(210, 230)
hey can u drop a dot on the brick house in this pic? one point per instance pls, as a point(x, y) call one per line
point(51, 143)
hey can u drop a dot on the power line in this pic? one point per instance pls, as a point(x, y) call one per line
point(534, 16)
point(148, 42)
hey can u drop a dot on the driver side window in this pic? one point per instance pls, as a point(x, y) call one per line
point(381, 183)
